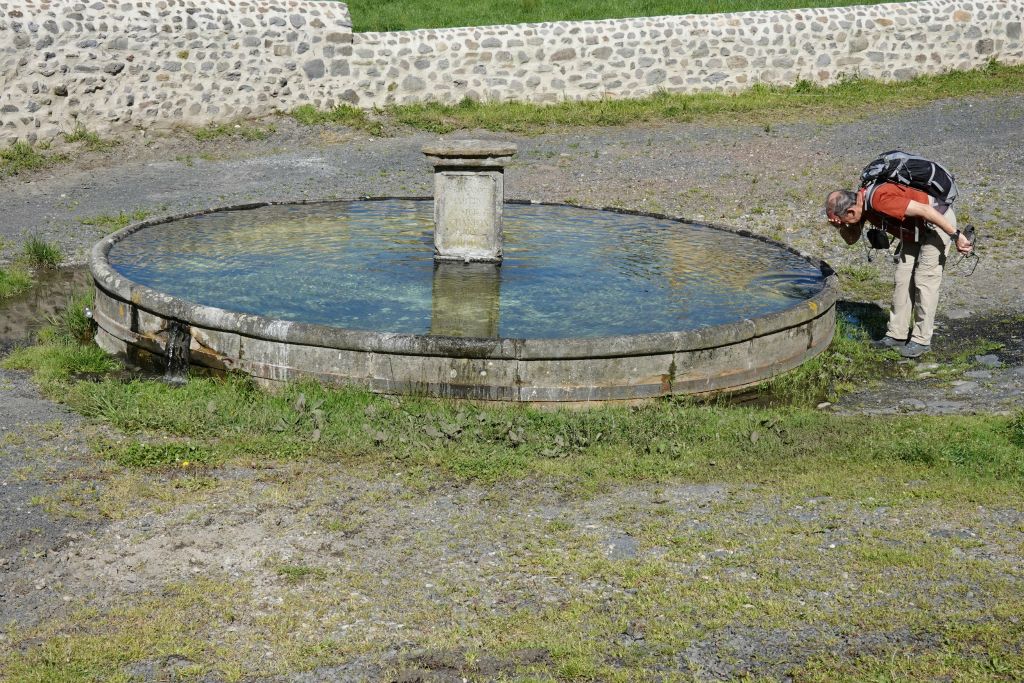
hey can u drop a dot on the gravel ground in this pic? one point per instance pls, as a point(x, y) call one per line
point(245, 524)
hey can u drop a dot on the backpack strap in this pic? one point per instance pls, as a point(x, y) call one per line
point(869, 192)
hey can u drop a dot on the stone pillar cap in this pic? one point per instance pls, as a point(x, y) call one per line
point(469, 153)
point(470, 149)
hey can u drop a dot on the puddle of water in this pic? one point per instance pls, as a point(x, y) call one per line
point(21, 317)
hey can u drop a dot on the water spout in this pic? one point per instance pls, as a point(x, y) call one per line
point(179, 338)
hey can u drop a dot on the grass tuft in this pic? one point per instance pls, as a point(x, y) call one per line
point(112, 223)
point(863, 283)
point(91, 141)
point(172, 454)
point(71, 325)
point(343, 114)
point(21, 157)
point(225, 130)
point(55, 363)
point(38, 253)
point(13, 281)
point(849, 359)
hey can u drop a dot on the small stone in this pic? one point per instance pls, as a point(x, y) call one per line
point(989, 360)
point(959, 313)
point(824, 404)
point(912, 404)
point(965, 388)
point(314, 68)
point(979, 374)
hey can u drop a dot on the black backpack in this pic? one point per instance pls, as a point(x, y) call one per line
point(913, 171)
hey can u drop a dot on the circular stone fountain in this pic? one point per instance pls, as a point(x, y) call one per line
point(515, 301)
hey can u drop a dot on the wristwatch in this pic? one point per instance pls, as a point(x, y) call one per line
point(955, 237)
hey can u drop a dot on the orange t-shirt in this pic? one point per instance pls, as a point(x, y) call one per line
point(888, 209)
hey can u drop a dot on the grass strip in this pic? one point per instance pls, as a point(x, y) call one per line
point(232, 130)
point(342, 114)
point(850, 99)
point(403, 15)
point(109, 223)
point(213, 421)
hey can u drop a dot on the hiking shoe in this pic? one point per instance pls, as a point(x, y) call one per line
point(888, 342)
point(914, 350)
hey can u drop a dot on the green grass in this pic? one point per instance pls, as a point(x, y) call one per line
point(71, 325)
point(848, 100)
point(230, 419)
point(21, 157)
point(342, 114)
point(346, 459)
point(38, 253)
point(14, 280)
point(401, 15)
point(864, 283)
point(90, 141)
point(848, 361)
point(112, 223)
point(228, 130)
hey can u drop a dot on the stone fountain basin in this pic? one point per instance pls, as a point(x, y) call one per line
point(133, 321)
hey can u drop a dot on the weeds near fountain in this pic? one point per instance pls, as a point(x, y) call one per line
point(863, 283)
point(112, 223)
point(14, 280)
point(38, 253)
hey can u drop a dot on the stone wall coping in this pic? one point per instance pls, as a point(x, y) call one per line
point(292, 332)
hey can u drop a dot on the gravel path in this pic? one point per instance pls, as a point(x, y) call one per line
point(251, 522)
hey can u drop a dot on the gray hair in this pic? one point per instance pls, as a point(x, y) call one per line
point(839, 202)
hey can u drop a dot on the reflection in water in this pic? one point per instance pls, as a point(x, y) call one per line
point(21, 317)
point(465, 299)
point(369, 265)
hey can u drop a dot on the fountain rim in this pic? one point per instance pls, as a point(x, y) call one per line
point(295, 332)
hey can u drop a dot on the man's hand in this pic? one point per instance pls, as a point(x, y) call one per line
point(962, 244)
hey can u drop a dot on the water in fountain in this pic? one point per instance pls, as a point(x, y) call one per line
point(567, 272)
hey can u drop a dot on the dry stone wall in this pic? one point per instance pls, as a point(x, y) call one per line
point(107, 64)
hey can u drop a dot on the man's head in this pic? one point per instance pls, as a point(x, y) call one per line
point(843, 208)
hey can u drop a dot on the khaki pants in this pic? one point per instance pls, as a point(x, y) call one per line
point(918, 278)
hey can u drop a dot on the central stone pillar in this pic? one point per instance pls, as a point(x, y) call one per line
point(469, 192)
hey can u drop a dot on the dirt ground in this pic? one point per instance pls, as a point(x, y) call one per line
point(362, 541)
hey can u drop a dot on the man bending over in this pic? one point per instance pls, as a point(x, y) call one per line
point(926, 228)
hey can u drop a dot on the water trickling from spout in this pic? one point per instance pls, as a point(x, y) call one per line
point(179, 337)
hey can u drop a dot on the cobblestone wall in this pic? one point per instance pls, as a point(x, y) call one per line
point(110, 64)
point(107, 64)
